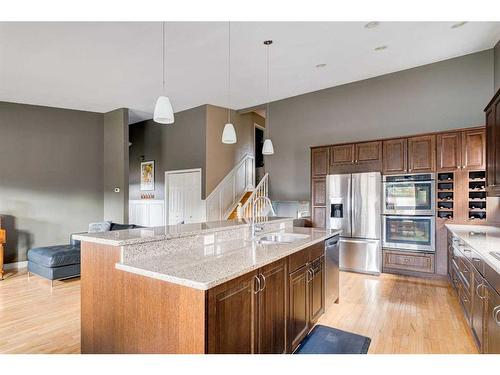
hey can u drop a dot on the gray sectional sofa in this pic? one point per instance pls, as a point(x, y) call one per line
point(63, 261)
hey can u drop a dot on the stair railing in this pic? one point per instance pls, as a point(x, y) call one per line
point(261, 190)
point(231, 189)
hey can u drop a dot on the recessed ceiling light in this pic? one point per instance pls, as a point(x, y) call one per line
point(371, 25)
point(320, 65)
point(458, 24)
point(380, 48)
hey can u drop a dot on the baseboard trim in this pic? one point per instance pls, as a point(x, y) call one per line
point(15, 265)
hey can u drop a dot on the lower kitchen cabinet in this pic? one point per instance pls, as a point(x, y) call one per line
point(307, 296)
point(270, 310)
point(412, 261)
point(232, 316)
point(479, 300)
point(492, 321)
point(298, 323)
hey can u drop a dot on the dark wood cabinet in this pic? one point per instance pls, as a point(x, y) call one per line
point(368, 152)
point(232, 316)
point(342, 154)
point(422, 154)
point(319, 162)
point(319, 217)
point(474, 149)
point(298, 323)
point(317, 289)
point(318, 188)
point(478, 308)
point(407, 261)
point(395, 155)
point(272, 301)
point(449, 151)
point(492, 111)
point(492, 322)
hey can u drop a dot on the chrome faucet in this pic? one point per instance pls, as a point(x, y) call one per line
point(254, 205)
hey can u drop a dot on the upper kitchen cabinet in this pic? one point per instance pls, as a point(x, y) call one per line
point(474, 149)
point(343, 154)
point(319, 162)
point(395, 155)
point(422, 154)
point(492, 145)
point(368, 153)
point(449, 151)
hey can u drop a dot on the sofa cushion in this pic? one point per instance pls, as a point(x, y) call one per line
point(55, 256)
point(115, 226)
point(100, 226)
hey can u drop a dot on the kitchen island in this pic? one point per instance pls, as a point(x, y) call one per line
point(202, 288)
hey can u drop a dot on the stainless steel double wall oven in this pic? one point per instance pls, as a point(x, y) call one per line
point(409, 212)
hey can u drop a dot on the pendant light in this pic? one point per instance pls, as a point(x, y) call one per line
point(163, 114)
point(229, 134)
point(267, 148)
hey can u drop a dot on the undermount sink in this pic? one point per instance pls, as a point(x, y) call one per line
point(284, 238)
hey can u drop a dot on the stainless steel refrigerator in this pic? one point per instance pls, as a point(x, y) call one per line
point(354, 206)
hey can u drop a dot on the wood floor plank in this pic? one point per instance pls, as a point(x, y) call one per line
point(400, 314)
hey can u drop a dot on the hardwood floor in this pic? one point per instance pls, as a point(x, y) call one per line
point(400, 315)
point(34, 320)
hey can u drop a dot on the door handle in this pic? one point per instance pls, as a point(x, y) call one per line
point(256, 289)
point(496, 311)
point(263, 282)
point(477, 291)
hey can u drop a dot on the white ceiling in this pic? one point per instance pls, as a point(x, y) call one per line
point(103, 66)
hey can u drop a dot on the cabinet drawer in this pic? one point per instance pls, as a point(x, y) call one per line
point(465, 271)
point(409, 261)
point(465, 301)
point(297, 260)
point(316, 250)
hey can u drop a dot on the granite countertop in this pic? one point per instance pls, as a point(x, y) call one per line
point(482, 238)
point(141, 235)
point(204, 267)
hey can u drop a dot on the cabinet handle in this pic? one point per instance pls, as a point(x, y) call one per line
point(477, 291)
point(496, 310)
point(263, 282)
point(465, 299)
point(356, 161)
point(257, 289)
point(309, 275)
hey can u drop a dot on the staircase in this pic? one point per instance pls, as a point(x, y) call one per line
point(237, 188)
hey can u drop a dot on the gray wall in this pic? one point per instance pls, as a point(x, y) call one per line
point(497, 66)
point(445, 95)
point(51, 175)
point(116, 165)
point(180, 145)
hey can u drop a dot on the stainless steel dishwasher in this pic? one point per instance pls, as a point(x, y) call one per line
point(332, 270)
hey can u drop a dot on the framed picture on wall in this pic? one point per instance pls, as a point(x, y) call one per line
point(148, 175)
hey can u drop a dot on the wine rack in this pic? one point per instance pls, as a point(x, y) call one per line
point(445, 195)
point(477, 195)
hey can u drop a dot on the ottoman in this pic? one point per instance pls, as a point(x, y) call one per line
point(55, 262)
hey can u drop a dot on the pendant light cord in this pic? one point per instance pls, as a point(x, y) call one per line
point(229, 75)
point(268, 97)
point(163, 57)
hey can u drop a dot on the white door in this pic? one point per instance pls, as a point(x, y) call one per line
point(184, 197)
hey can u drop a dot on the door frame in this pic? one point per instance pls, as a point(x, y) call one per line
point(178, 171)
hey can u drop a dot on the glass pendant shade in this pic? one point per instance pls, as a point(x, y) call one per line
point(163, 114)
point(229, 134)
point(268, 148)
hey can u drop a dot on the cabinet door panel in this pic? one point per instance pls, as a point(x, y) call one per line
point(477, 319)
point(490, 148)
point(318, 191)
point(422, 153)
point(449, 151)
point(368, 152)
point(319, 217)
point(493, 322)
point(317, 289)
point(298, 324)
point(497, 141)
point(319, 162)
point(395, 155)
point(474, 149)
point(343, 154)
point(272, 308)
point(232, 316)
